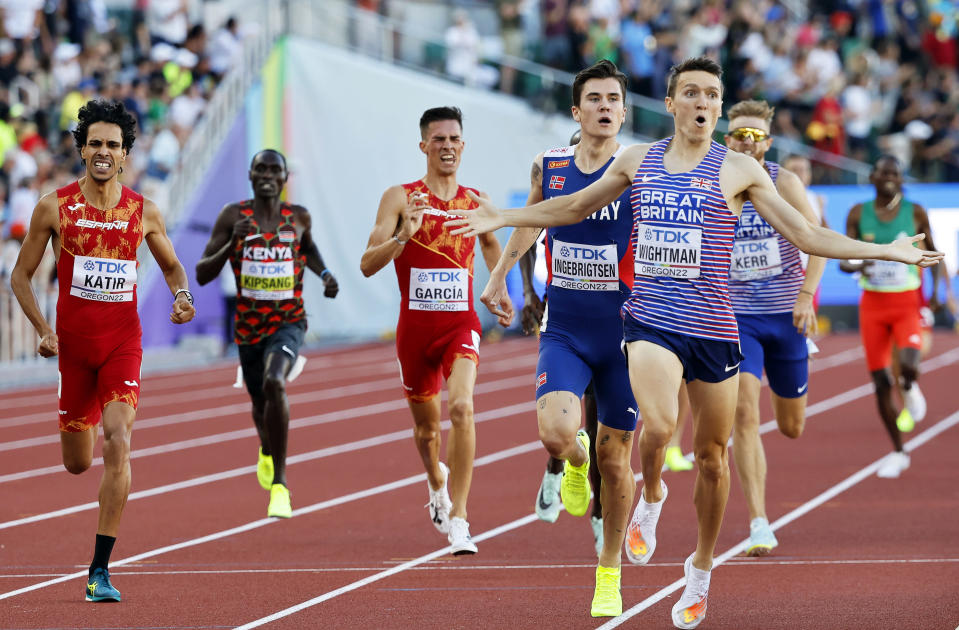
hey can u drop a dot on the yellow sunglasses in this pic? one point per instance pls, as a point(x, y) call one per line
point(756, 135)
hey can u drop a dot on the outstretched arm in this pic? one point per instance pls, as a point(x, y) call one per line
point(817, 240)
point(492, 253)
point(42, 226)
point(563, 210)
point(804, 313)
point(154, 232)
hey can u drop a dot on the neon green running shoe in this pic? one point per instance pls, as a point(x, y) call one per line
point(607, 599)
point(675, 460)
point(264, 470)
point(574, 489)
point(279, 502)
point(905, 421)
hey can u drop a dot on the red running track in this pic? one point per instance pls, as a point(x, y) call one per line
point(196, 551)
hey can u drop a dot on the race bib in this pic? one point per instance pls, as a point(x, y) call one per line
point(439, 289)
point(267, 280)
point(671, 252)
point(585, 267)
point(887, 274)
point(756, 259)
point(103, 279)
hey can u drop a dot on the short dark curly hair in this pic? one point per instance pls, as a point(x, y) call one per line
point(109, 112)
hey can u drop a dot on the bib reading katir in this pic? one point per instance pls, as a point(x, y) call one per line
point(103, 279)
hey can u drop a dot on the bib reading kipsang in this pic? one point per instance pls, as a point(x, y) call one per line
point(103, 279)
point(671, 252)
point(584, 267)
point(439, 289)
point(266, 273)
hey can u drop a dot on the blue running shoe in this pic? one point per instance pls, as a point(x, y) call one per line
point(99, 588)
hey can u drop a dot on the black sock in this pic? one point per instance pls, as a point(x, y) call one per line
point(101, 554)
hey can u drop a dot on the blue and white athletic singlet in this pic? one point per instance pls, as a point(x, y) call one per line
point(766, 272)
point(683, 240)
point(589, 262)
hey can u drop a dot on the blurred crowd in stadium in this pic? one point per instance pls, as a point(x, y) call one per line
point(55, 55)
point(853, 77)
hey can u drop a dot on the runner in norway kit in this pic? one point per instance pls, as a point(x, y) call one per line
point(589, 276)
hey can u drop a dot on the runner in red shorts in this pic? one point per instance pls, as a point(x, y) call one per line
point(96, 225)
point(438, 332)
point(890, 303)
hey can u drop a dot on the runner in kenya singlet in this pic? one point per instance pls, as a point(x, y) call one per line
point(268, 267)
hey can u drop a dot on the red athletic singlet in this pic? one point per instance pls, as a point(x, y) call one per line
point(435, 270)
point(437, 322)
point(97, 323)
point(98, 264)
point(268, 267)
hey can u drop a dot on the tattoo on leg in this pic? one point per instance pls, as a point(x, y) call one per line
point(604, 440)
point(542, 404)
point(627, 436)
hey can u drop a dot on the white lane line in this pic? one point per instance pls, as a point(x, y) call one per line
point(451, 566)
point(329, 451)
point(316, 507)
point(305, 394)
point(215, 412)
point(831, 493)
point(526, 520)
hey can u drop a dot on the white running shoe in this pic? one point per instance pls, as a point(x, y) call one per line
point(548, 503)
point(297, 368)
point(893, 465)
point(690, 610)
point(915, 402)
point(640, 540)
point(440, 503)
point(459, 537)
point(596, 522)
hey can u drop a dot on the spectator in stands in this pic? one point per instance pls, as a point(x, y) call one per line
point(463, 53)
point(225, 47)
point(168, 21)
point(511, 34)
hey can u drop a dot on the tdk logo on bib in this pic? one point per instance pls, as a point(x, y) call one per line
point(584, 267)
point(439, 290)
point(440, 276)
point(667, 236)
point(106, 266)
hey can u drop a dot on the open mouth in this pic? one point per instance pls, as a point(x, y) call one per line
point(605, 120)
point(102, 165)
point(448, 158)
point(701, 120)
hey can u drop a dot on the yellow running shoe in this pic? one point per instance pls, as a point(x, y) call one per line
point(675, 460)
point(574, 488)
point(264, 470)
point(905, 421)
point(279, 502)
point(607, 600)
